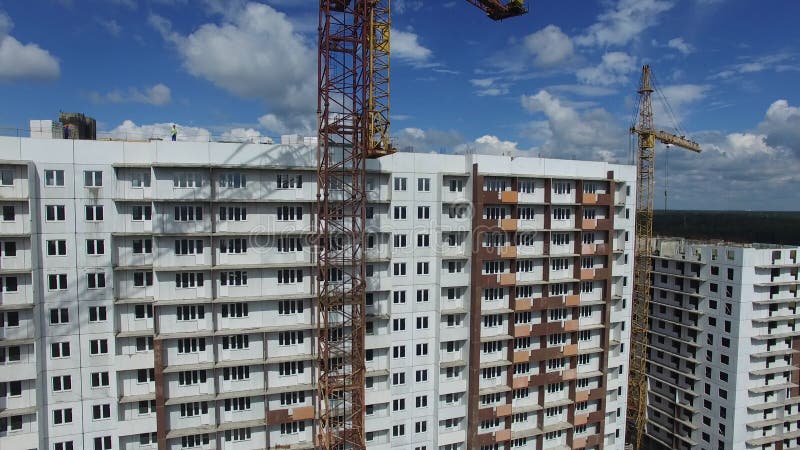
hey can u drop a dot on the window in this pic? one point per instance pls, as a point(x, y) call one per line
point(238, 434)
point(285, 245)
point(185, 312)
point(142, 212)
point(188, 279)
point(94, 213)
point(56, 247)
point(421, 426)
point(289, 276)
point(192, 441)
point(424, 184)
point(67, 445)
point(188, 213)
point(59, 316)
point(62, 416)
point(186, 180)
point(423, 268)
point(423, 212)
point(422, 295)
point(92, 178)
point(398, 351)
point(144, 343)
point(53, 213)
point(191, 345)
point(730, 274)
point(96, 280)
point(98, 347)
point(14, 388)
point(141, 279)
point(99, 379)
point(286, 307)
point(399, 240)
point(9, 214)
point(293, 398)
point(237, 180)
point(59, 350)
point(140, 180)
point(53, 178)
point(290, 213)
point(398, 378)
point(237, 278)
point(9, 284)
point(141, 246)
point(400, 184)
point(399, 269)
point(9, 249)
point(422, 350)
point(561, 213)
point(290, 338)
point(100, 412)
point(291, 368)
point(287, 181)
point(398, 324)
point(238, 342)
point(400, 212)
point(293, 427)
point(422, 323)
point(562, 187)
point(398, 297)
point(237, 373)
point(234, 310)
point(398, 430)
point(423, 240)
point(233, 213)
point(561, 239)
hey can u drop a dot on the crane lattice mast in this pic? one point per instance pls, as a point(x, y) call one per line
point(643, 250)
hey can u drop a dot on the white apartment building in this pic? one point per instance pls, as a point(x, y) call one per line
point(162, 294)
point(723, 369)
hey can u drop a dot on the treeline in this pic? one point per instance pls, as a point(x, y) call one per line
point(734, 226)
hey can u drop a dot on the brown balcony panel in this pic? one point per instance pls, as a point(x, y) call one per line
point(503, 410)
point(544, 354)
point(589, 224)
point(545, 378)
point(578, 443)
point(484, 439)
point(278, 416)
point(509, 251)
point(520, 382)
point(581, 419)
point(509, 224)
point(549, 328)
point(571, 325)
point(581, 396)
point(589, 199)
point(570, 374)
point(572, 300)
point(601, 274)
point(587, 274)
point(502, 435)
point(522, 357)
point(605, 199)
point(593, 441)
point(302, 413)
point(522, 304)
point(588, 249)
point(522, 331)
point(603, 249)
point(509, 197)
point(605, 224)
point(508, 279)
point(570, 350)
point(597, 416)
point(596, 394)
point(543, 303)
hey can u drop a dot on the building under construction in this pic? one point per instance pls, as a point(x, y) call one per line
point(155, 298)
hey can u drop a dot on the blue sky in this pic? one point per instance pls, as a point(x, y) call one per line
point(559, 82)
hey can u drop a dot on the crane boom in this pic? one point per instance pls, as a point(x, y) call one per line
point(640, 314)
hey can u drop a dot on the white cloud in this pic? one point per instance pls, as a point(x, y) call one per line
point(490, 145)
point(157, 95)
point(243, 135)
point(111, 26)
point(254, 53)
point(679, 96)
point(425, 141)
point(129, 130)
point(782, 126)
point(614, 68)
point(550, 46)
point(622, 23)
point(569, 132)
point(406, 47)
point(489, 87)
point(583, 90)
point(680, 45)
point(23, 62)
point(403, 6)
point(778, 62)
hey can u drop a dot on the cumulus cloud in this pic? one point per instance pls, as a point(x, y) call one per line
point(129, 130)
point(614, 68)
point(243, 135)
point(158, 95)
point(623, 22)
point(489, 87)
point(406, 47)
point(549, 46)
point(427, 141)
point(253, 53)
point(491, 145)
point(568, 132)
point(22, 62)
point(781, 126)
point(680, 45)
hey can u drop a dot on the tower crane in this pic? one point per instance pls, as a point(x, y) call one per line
point(353, 119)
point(647, 137)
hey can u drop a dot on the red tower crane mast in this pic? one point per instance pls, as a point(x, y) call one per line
point(353, 119)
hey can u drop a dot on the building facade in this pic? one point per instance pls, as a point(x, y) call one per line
point(161, 295)
point(722, 366)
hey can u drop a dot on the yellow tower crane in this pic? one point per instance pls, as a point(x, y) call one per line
point(647, 137)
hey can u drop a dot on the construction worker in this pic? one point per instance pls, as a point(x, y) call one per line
point(174, 133)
